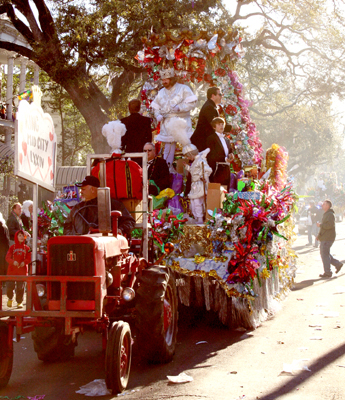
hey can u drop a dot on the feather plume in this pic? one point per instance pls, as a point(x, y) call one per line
point(177, 127)
point(204, 153)
point(113, 131)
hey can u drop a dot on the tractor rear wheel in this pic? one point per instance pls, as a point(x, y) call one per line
point(118, 357)
point(6, 354)
point(157, 314)
point(51, 344)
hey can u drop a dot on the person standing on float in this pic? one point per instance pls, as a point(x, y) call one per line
point(208, 112)
point(174, 100)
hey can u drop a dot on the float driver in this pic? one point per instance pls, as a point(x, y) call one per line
point(84, 215)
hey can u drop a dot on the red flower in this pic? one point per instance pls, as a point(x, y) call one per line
point(207, 78)
point(220, 72)
point(179, 54)
point(231, 110)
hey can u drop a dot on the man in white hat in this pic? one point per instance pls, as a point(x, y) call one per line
point(174, 101)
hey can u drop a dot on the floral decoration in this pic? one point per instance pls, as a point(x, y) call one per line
point(209, 58)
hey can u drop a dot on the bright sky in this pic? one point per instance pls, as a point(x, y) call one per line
point(253, 23)
point(246, 9)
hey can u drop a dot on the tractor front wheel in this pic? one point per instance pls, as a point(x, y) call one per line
point(118, 357)
point(6, 354)
point(157, 314)
point(51, 344)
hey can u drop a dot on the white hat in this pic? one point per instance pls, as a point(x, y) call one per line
point(167, 73)
point(189, 148)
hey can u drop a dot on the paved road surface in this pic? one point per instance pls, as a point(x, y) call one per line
point(232, 365)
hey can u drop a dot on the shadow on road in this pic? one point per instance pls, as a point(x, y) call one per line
point(310, 282)
point(296, 248)
point(308, 251)
point(194, 326)
point(318, 365)
point(89, 363)
point(304, 284)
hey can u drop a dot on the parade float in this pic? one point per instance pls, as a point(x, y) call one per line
point(239, 263)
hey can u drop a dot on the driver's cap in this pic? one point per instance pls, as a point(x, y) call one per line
point(89, 180)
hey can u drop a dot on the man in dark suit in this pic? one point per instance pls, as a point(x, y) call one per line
point(157, 170)
point(4, 246)
point(138, 131)
point(14, 222)
point(208, 112)
point(221, 152)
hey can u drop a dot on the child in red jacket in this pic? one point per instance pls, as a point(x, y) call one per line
point(18, 258)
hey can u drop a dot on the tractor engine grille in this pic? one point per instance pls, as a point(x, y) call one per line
point(75, 259)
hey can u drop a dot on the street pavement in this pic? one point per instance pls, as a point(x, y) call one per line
point(305, 339)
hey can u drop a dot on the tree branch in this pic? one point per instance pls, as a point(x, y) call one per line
point(24, 7)
point(97, 93)
point(23, 51)
point(17, 23)
point(280, 111)
point(129, 67)
point(46, 20)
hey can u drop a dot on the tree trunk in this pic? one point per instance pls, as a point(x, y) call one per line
point(94, 116)
point(63, 135)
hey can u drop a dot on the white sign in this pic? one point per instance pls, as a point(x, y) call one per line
point(35, 145)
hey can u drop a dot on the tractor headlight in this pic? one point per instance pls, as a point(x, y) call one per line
point(41, 290)
point(128, 294)
point(109, 278)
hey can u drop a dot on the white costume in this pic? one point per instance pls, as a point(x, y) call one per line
point(199, 170)
point(177, 101)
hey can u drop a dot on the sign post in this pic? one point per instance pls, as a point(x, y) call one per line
point(35, 151)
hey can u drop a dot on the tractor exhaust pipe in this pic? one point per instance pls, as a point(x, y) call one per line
point(104, 203)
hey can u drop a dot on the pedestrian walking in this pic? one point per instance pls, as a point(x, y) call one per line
point(326, 237)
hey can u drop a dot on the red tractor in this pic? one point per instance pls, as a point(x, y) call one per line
point(94, 281)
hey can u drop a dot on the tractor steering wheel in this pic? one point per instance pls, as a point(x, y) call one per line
point(84, 220)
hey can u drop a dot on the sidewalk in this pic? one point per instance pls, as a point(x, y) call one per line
point(4, 302)
point(308, 332)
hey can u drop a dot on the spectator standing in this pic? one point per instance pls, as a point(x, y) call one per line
point(319, 214)
point(3, 112)
point(138, 130)
point(18, 258)
point(26, 215)
point(4, 245)
point(326, 237)
point(311, 222)
point(14, 222)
